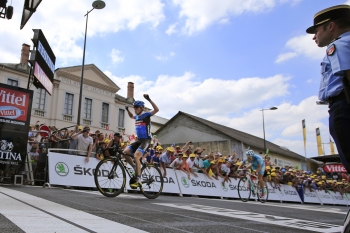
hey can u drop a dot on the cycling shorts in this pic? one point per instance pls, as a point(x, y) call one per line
point(140, 145)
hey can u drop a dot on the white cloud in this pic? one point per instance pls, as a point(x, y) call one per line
point(115, 56)
point(171, 29)
point(164, 58)
point(200, 14)
point(64, 24)
point(191, 95)
point(285, 56)
point(302, 45)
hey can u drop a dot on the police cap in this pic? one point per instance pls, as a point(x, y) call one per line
point(331, 13)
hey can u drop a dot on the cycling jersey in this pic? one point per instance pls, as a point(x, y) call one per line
point(256, 161)
point(143, 125)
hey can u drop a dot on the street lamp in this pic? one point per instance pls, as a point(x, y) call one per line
point(95, 5)
point(262, 110)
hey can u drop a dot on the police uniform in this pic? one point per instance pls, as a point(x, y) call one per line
point(333, 67)
point(335, 62)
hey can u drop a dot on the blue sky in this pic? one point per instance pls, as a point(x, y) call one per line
point(219, 60)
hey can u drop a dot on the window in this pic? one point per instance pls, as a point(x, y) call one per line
point(105, 112)
point(121, 118)
point(87, 108)
point(68, 104)
point(40, 99)
point(12, 82)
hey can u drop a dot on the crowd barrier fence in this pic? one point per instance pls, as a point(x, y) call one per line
point(71, 170)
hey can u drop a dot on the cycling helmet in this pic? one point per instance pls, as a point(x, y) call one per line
point(249, 153)
point(139, 103)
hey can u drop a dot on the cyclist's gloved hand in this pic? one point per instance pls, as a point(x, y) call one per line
point(126, 107)
point(146, 96)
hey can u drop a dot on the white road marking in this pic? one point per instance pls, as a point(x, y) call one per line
point(257, 217)
point(31, 219)
point(318, 208)
point(98, 193)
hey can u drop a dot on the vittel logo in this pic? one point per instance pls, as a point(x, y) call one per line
point(6, 151)
point(7, 97)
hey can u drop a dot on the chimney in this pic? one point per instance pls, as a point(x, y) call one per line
point(130, 93)
point(25, 54)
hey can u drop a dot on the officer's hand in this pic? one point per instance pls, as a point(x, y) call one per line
point(126, 107)
point(146, 96)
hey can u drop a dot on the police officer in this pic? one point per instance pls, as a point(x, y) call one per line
point(331, 29)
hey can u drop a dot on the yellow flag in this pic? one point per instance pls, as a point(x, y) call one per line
point(319, 142)
point(304, 132)
point(331, 144)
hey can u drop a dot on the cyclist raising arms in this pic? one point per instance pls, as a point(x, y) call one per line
point(258, 165)
point(143, 132)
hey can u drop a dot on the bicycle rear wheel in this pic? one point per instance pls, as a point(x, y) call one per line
point(109, 177)
point(152, 181)
point(262, 198)
point(244, 190)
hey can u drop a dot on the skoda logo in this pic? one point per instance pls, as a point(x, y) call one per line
point(185, 182)
point(223, 186)
point(61, 169)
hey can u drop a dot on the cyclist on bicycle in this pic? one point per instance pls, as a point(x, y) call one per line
point(258, 165)
point(143, 132)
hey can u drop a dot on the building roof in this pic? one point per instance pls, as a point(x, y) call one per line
point(328, 158)
point(248, 139)
point(17, 67)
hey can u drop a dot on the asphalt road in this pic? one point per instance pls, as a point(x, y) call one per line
point(37, 209)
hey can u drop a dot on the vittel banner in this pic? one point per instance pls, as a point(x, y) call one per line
point(15, 111)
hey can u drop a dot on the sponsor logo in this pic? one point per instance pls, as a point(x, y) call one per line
point(204, 184)
point(6, 152)
point(62, 169)
point(14, 104)
point(185, 182)
point(334, 168)
point(223, 186)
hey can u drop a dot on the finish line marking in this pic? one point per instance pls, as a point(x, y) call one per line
point(263, 218)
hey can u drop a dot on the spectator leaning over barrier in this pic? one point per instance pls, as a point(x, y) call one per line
point(155, 158)
point(116, 141)
point(73, 143)
point(185, 167)
point(198, 165)
point(190, 163)
point(225, 170)
point(85, 143)
point(165, 159)
point(177, 163)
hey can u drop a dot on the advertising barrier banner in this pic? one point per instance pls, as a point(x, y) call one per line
point(289, 193)
point(15, 111)
point(311, 197)
point(274, 193)
point(230, 189)
point(72, 170)
point(325, 198)
point(339, 199)
point(200, 185)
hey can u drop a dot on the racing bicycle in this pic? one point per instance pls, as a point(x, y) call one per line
point(110, 176)
point(248, 185)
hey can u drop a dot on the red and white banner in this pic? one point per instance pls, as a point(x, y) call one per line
point(334, 168)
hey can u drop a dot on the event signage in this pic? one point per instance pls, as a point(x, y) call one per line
point(273, 192)
point(338, 167)
point(15, 111)
point(289, 193)
point(339, 199)
point(325, 197)
point(43, 60)
point(311, 197)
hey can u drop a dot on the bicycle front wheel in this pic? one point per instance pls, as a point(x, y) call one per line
point(244, 189)
point(152, 181)
point(109, 177)
point(262, 196)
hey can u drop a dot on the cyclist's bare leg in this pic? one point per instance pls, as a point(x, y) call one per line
point(261, 181)
point(128, 158)
point(138, 156)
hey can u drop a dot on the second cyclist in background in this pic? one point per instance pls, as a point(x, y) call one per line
point(258, 165)
point(143, 133)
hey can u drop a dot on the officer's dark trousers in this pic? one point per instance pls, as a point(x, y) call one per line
point(339, 127)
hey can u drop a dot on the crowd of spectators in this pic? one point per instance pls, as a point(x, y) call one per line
point(84, 142)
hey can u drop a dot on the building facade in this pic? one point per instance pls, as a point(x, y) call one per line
point(101, 107)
